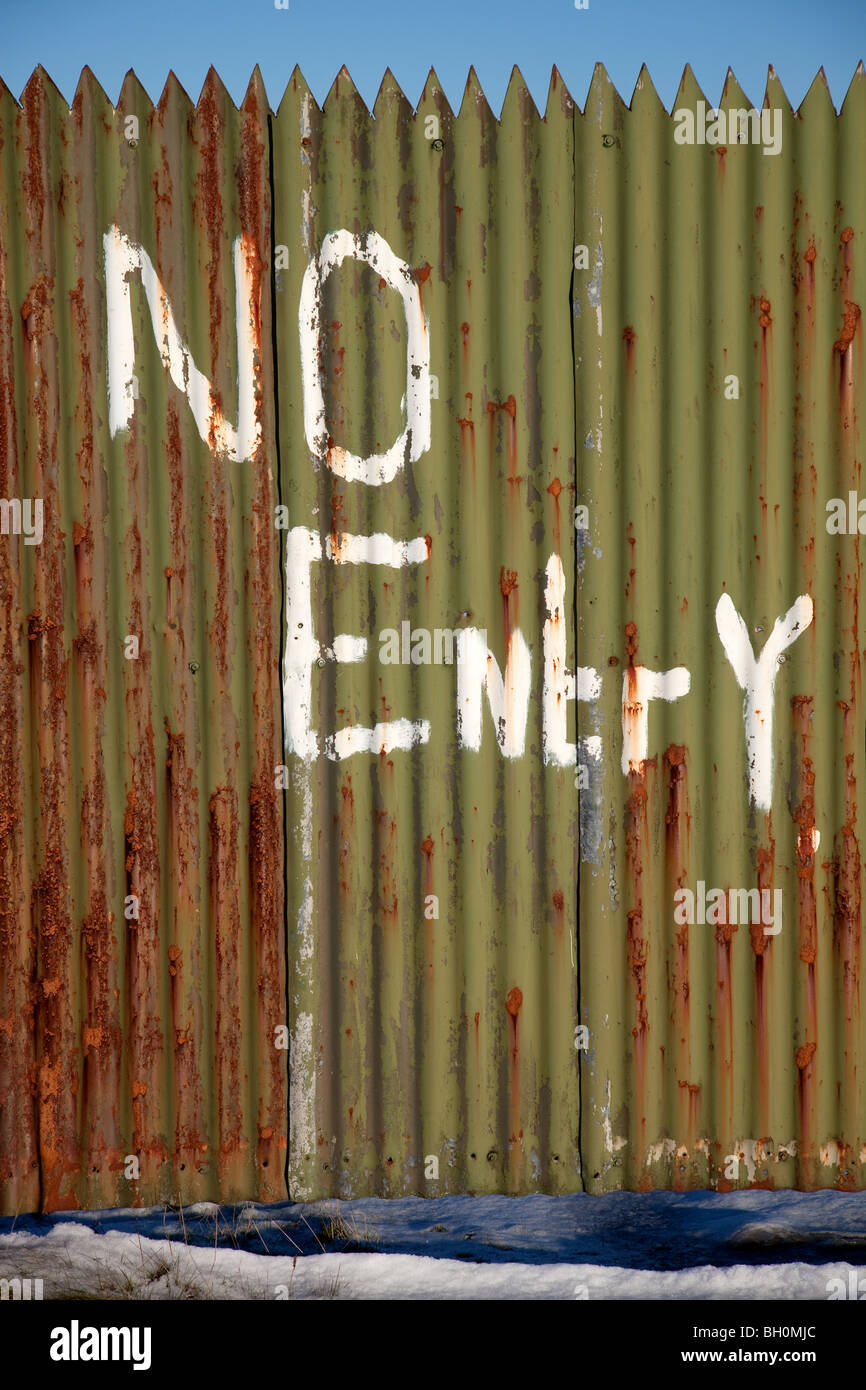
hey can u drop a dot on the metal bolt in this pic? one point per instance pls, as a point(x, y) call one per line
point(193, 666)
point(608, 141)
point(320, 661)
point(438, 144)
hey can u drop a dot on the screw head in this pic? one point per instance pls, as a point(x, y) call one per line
point(608, 141)
point(438, 144)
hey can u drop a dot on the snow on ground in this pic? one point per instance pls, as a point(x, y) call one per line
point(700, 1245)
point(75, 1262)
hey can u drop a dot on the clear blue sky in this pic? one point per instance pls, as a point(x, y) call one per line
point(410, 36)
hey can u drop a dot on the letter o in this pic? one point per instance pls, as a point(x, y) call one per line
point(414, 440)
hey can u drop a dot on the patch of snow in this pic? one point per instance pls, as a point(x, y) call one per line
point(659, 1245)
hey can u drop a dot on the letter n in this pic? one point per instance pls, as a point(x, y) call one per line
point(508, 697)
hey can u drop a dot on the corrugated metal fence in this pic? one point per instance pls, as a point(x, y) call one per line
point(430, 652)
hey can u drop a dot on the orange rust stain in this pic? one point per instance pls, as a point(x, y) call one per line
point(677, 827)
point(209, 208)
point(222, 873)
point(677, 818)
point(555, 488)
point(636, 849)
point(804, 1055)
point(804, 819)
point(558, 914)
point(163, 195)
point(632, 702)
point(346, 819)
point(508, 587)
point(254, 205)
point(36, 316)
point(847, 235)
point(514, 1001)
point(33, 179)
point(420, 275)
point(636, 830)
point(847, 894)
point(725, 1018)
point(337, 524)
point(766, 859)
point(849, 327)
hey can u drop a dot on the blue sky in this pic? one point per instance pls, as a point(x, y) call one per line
point(796, 36)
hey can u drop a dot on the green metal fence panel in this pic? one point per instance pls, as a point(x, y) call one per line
point(432, 876)
point(718, 376)
point(430, 711)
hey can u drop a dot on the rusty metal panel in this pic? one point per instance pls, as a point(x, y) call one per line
point(139, 784)
point(454, 473)
point(723, 1053)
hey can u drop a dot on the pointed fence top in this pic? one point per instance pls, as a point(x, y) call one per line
point(601, 89)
